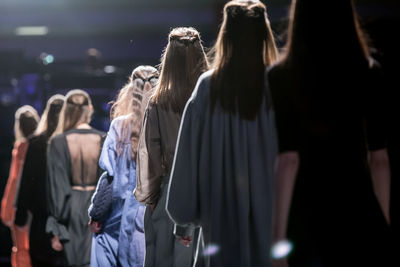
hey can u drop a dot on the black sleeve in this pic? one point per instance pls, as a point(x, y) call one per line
point(287, 123)
point(58, 188)
point(25, 193)
point(376, 110)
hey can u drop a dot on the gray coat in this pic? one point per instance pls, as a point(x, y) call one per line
point(155, 155)
point(222, 181)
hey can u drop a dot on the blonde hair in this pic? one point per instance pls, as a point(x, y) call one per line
point(77, 109)
point(132, 100)
point(26, 121)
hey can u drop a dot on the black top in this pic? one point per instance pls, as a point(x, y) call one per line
point(32, 198)
point(331, 117)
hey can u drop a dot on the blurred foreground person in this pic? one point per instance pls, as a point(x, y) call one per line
point(116, 216)
point(26, 121)
point(329, 114)
point(32, 193)
point(73, 172)
point(222, 176)
point(182, 63)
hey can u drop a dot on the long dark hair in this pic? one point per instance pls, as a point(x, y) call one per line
point(182, 63)
point(26, 121)
point(329, 42)
point(244, 48)
point(49, 120)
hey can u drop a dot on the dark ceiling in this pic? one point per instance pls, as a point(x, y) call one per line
point(121, 29)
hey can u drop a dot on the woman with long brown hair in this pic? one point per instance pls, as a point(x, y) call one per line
point(73, 172)
point(119, 237)
point(183, 62)
point(329, 116)
point(32, 193)
point(222, 174)
point(26, 121)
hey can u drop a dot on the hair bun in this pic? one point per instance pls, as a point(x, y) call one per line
point(235, 10)
point(84, 103)
point(185, 40)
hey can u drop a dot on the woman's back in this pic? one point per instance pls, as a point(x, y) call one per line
point(84, 151)
point(231, 160)
point(331, 117)
point(73, 173)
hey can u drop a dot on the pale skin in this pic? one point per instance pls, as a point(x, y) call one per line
point(286, 172)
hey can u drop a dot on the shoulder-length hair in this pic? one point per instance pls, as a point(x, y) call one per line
point(49, 120)
point(244, 48)
point(26, 121)
point(132, 101)
point(77, 109)
point(182, 63)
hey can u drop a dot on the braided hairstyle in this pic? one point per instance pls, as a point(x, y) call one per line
point(132, 100)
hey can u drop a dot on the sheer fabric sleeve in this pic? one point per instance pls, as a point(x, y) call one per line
point(58, 188)
point(149, 167)
point(183, 198)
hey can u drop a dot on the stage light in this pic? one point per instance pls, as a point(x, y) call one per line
point(110, 69)
point(211, 249)
point(31, 30)
point(46, 58)
point(281, 249)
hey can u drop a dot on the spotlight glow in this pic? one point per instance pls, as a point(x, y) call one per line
point(211, 249)
point(109, 69)
point(281, 249)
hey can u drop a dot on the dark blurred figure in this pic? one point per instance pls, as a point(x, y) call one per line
point(93, 63)
point(32, 193)
point(330, 115)
point(26, 121)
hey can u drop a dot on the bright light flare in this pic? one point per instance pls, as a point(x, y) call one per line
point(110, 69)
point(31, 30)
point(211, 249)
point(281, 249)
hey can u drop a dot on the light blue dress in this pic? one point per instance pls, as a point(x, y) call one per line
point(121, 242)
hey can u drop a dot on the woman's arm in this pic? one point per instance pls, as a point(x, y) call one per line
point(380, 174)
point(58, 190)
point(149, 168)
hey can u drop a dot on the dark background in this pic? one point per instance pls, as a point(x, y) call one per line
point(127, 33)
